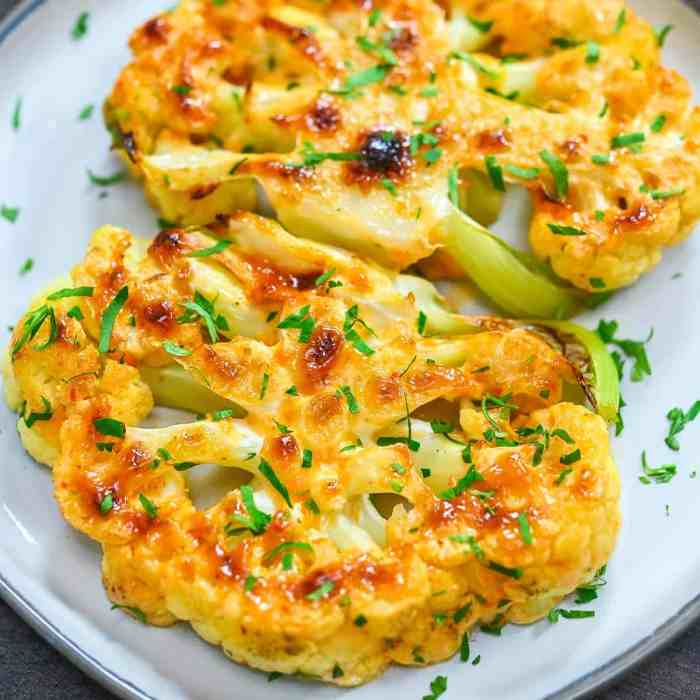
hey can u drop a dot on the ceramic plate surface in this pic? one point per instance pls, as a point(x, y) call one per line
point(51, 574)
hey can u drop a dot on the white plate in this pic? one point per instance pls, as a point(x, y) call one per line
point(51, 574)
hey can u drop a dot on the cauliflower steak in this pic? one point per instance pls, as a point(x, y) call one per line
point(366, 124)
point(406, 473)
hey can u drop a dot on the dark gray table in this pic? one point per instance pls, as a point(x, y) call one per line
point(31, 670)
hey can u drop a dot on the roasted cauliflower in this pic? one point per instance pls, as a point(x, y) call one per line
point(407, 472)
point(366, 124)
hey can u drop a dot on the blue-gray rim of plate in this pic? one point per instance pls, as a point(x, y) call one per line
point(15, 12)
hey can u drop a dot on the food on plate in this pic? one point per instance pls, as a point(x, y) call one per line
point(405, 473)
point(392, 128)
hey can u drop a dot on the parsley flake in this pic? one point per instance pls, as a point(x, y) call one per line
point(110, 316)
point(269, 473)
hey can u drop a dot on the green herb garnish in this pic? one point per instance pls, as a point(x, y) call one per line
point(559, 172)
point(110, 426)
point(268, 472)
point(110, 316)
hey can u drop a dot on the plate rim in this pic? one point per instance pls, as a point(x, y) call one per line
point(595, 681)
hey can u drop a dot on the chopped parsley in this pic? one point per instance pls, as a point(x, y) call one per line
point(559, 172)
point(302, 321)
point(662, 34)
point(390, 187)
point(139, 614)
point(110, 426)
point(106, 180)
point(679, 419)
point(325, 589)
point(475, 64)
point(495, 172)
point(218, 247)
point(563, 42)
point(592, 52)
point(312, 157)
point(286, 547)
point(559, 230)
point(68, 293)
point(86, 112)
point(658, 124)
point(175, 349)
point(522, 173)
point(633, 349)
point(32, 325)
point(353, 406)
point(10, 214)
point(524, 527)
point(325, 277)
point(571, 457)
point(505, 570)
point(184, 466)
point(375, 74)
point(110, 316)
point(438, 687)
point(17, 115)
point(555, 613)
point(421, 323)
point(462, 613)
point(589, 591)
point(268, 472)
point(562, 476)
point(148, 506)
point(256, 521)
point(621, 20)
point(106, 504)
point(307, 459)
point(633, 139)
point(203, 309)
point(381, 50)
point(263, 386)
point(471, 477)
point(223, 414)
point(80, 28)
point(412, 444)
point(453, 185)
point(36, 416)
point(352, 446)
point(483, 26)
point(657, 475)
point(352, 318)
point(657, 195)
point(27, 266)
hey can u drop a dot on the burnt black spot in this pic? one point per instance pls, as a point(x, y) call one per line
point(384, 152)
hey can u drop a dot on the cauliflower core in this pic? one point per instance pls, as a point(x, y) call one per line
point(333, 389)
point(358, 124)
